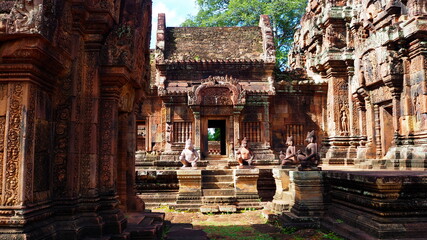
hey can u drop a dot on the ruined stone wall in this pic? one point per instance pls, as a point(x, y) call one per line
point(371, 54)
point(71, 75)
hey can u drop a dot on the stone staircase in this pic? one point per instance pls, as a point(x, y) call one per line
point(217, 162)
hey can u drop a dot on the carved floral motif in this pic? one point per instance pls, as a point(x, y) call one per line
point(217, 90)
point(10, 197)
point(30, 144)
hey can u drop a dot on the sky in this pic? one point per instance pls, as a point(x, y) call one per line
point(176, 12)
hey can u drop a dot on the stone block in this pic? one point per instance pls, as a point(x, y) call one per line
point(245, 181)
point(190, 182)
point(209, 209)
point(227, 208)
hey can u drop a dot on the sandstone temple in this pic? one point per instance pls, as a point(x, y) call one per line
point(93, 123)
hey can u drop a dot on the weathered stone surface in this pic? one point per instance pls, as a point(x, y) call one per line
point(67, 121)
point(190, 182)
point(370, 55)
point(377, 205)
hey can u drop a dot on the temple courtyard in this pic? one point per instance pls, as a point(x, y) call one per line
point(102, 137)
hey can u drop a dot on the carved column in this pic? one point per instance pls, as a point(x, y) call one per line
point(88, 107)
point(236, 126)
point(113, 217)
point(396, 114)
point(266, 123)
point(197, 128)
point(337, 110)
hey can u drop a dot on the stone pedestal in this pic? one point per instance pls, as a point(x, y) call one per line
point(309, 205)
point(285, 191)
point(245, 185)
point(190, 189)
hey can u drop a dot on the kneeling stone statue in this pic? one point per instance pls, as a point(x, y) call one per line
point(189, 155)
point(310, 158)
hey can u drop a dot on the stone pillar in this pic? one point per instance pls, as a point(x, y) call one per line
point(396, 114)
point(113, 218)
point(198, 131)
point(245, 185)
point(338, 119)
point(236, 124)
point(266, 123)
point(190, 189)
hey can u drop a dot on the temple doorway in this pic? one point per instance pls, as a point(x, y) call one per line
point(387, 130)
point(217, 137)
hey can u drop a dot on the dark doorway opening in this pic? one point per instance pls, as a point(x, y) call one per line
point(216, 137)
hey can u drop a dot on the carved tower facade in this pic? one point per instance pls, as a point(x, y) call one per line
point(71, 74)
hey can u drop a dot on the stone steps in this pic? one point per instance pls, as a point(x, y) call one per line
point(218, 199)
point(217, 185)
point(218, 172)
point(220, 178)
point(218, 192)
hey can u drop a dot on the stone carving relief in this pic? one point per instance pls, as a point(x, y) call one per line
point(3, 106)
point(344, 120)
point(11, 176)
point(30, 145)
point(25, 17)
point(217, 91)
point(127, 98)
point(371, 67)
point(381, 94)
point(392, 66)
point(118, 47)
point(216, 96)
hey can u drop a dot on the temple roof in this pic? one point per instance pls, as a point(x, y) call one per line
point(213, 43)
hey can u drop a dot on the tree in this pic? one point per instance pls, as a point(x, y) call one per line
point(214, 134)
point(284, 15)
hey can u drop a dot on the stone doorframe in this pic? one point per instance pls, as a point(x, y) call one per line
point(217, 97)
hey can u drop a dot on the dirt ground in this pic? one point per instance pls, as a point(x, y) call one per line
point(248, 225)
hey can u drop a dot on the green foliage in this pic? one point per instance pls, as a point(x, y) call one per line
point(215, 135)
point(284, 16)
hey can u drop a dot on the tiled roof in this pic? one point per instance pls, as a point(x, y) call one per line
point(213, 43)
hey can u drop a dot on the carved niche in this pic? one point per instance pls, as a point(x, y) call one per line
point(217, 90)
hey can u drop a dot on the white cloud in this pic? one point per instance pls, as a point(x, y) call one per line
point(176, 12)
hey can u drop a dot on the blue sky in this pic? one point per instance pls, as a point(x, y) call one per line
point(176, 12)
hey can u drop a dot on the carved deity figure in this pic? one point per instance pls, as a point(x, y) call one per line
point(244, 155)
point(344, 122)
point(310, 158)
point(290, 157)
point(189, 155)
